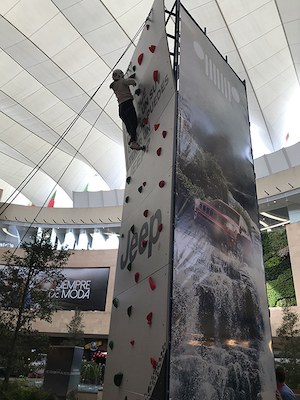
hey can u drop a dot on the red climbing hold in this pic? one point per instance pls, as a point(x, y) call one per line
point(140, 58)
point(160, 226)
point(158, 151)
point(147, 26)
point(145, 121)
point(152, 49)
point(144, 243)
point(161, 184)
point(155, 76)
point(136, 277)
point(151, 283)
point(132, 342)
point(153, 362)
point(149, 318)
point(156, 126)
point(144, 183)
point(145, 213)
point(164, 134)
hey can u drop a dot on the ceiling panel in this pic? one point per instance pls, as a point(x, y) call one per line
point(55, 54)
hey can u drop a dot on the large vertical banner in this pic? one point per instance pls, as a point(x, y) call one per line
point(220, 335)
point(136, 360)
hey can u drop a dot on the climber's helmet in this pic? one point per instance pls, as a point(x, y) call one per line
point(117, 74)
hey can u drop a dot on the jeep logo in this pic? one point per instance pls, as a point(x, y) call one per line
point(134, 241)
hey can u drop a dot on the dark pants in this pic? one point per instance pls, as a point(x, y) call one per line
point(128, 116)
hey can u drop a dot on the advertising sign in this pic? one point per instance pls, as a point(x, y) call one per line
point(221, 339)
point(62, 372)
point(82, 288)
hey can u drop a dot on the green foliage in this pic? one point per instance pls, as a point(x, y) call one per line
point(16, 390)
point(289, 337)
point(22, 299)
point(273, 242)
point(276, 266)
point(202, 177)
point(189, 189)
point(281, 290)
point(279, 279)
point(91, 373)
point(28, 340)
point(75, 331)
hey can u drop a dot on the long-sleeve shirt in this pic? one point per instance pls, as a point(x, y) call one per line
point(121, 89)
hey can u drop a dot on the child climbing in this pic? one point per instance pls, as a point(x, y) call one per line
point(127, 113)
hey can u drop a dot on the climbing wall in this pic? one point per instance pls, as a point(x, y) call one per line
point(136, 361)
point(220, 333)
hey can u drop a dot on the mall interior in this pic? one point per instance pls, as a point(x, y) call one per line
point(62, 163)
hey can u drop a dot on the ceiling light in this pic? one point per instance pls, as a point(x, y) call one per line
point(263, 223)
point(275, 226)
point(8, 233)
point(273, 217)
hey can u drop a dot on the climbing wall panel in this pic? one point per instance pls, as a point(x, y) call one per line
point(140, 313)
point(221, 339)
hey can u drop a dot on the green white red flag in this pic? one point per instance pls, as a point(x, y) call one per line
point(51, 202)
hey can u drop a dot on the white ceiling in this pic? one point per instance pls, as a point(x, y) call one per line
point(55, 54)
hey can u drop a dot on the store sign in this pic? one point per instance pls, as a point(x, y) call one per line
point(83, 288)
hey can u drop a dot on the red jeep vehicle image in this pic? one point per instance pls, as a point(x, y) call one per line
point(225, 225)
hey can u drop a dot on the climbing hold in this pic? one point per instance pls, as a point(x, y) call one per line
point(147, 26)
point(155, 76)
point(127, 199)
point(129, 266)
point(152, 48)
point(132, 342)
point(149, 318)
point(145, 121)
point(111, 344)
point(132, 76)
point(134, 67)
point(129, 310)
point(132, 228)
point(138, 92)
point(128, 179)
point(153, 362)
point(144, 243)
point(140, 189)
point(118, 379)
point(164, 134)
point(152, 284)
point(144, 183)
point(156, 126)
point(140, 58)
point(160, 226)
point(158, 151)
point(161, 184)
point(115, 302)
point(145, 213)
point(136, 277)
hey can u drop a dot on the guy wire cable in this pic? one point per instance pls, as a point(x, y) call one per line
point(34, 171)
point(62, 174)
point(68, 129)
